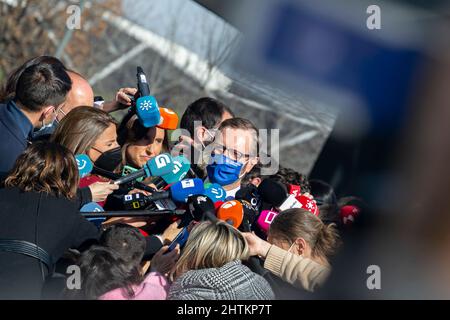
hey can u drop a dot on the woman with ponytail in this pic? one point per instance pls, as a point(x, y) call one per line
point(298, 248)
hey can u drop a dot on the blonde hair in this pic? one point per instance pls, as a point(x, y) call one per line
point(81, 127)
point(300, 223)
point(211, 245)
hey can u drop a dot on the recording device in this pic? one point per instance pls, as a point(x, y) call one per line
point(157, 166)
point(84, 165)
point(128, 170)
point(146, 106)
point(180, 239)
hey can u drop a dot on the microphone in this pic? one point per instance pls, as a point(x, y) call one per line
point(250, 194)
point(84, 165)
point(215, 192)
point(183, 189)
point(289, 203)
point(179, 192)
point(201, 208)
point(169, 119)
point(232, 212)
point(273, 193)
point(249, 217)
point(146, 105)
point(308, 204)
point(93, 207)
point(295, 190)
point(157, 166)
point(265, 220)
point(181, 167)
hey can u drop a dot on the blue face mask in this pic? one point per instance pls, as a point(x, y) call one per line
point(223, 170)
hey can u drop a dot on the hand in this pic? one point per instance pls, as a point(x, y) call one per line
point(171, 232)
point(140, 191)
point(164, 263)
point(101, 190)
point(256, 245)
point(122, 99)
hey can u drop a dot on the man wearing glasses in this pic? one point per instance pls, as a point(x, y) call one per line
point(233, 154)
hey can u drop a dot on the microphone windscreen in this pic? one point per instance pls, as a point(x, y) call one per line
point(250, 193)
point(147, 111)
point(169, 119)
point(84, 165)
point(308, 204)
point(93, 207)
point(160, 165)
point(272, 192)
point(180, 170)
point(186, 188)
point(201, 207)
point(232, 212)
point(295, 190)
point(265, 219)
point(215, 192)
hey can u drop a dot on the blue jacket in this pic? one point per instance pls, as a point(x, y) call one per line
point(15, 134)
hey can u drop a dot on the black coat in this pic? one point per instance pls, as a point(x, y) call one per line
point(59, 227)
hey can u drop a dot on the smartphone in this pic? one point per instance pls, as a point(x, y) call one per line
point(180, 239)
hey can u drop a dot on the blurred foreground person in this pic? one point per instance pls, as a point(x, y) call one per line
point(39, 208)
point(210, 267)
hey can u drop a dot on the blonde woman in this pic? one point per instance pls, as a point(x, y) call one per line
point(210, 267)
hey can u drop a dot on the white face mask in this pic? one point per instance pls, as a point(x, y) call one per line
point(64, 114)
point(211, 135)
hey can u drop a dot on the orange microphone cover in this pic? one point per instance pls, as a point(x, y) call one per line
point(169, 119)
point(231, 212)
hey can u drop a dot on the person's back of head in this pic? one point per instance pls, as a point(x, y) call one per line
point(312, 238)
point(211, 245)
point(42, 85)
point(102, 269)
point(8, 90)
point(289, 176)
point(45, 167)
point(326, 200)
point(207, 110)
point(126, 240)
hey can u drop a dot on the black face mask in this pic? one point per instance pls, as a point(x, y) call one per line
point(109, 160)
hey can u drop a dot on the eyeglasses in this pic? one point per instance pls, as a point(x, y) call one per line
point(218, 149)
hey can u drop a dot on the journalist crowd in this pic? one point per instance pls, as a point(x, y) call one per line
point(126, 200)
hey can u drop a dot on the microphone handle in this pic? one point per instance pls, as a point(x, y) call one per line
point(137, 213)
point(132, 176)
point(115, 176)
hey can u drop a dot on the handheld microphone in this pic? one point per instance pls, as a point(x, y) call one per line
point(181, 167)
point(295, 190)
point(169, 119)
point(94, 207)
point(146, 105)
point(290, 203)
point(265, 220)
point(232, 212)
point(308, 204)
point(157, 166)
point(249, 217)
point(201, 208)
point(250, 194)
point(215, 192)
point(273, 193)
point(84, 165)
point(179, 192)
